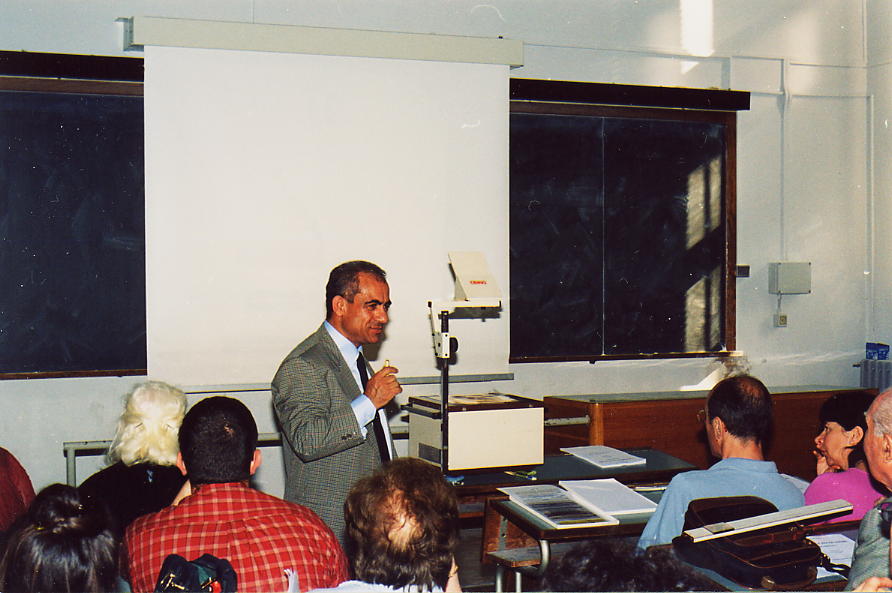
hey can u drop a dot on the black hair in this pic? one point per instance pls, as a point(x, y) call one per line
point(344, 281)
point(847, 409)
point(614, 565)
point(744, 405)
point(64, 543)
point(218, 438)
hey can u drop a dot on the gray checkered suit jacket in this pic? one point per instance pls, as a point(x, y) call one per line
point(871, 557)
point(325, 452)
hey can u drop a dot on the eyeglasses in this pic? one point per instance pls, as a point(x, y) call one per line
point(886, 512)
point(701, 416)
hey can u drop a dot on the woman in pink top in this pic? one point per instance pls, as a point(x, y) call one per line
point(842, 465)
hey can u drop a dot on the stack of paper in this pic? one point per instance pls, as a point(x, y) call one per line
point(558, 507)
point(609, 496)
point(605, 457)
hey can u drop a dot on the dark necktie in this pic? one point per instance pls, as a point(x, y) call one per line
point(380, 436)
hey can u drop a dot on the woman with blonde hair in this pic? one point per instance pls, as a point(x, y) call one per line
point(142, 477)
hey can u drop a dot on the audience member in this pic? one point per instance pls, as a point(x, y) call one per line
point(842, 465)
point(143, 477)
point(608, 565)
point(261, 535)
point(738, 418)
point(16, 492)
point(871, 559)
point(402, 530)
point(64, 543)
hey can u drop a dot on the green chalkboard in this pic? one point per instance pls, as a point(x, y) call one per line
point(72, 263)
point(619, 235)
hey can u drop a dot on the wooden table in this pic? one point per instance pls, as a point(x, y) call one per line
point(668, 421)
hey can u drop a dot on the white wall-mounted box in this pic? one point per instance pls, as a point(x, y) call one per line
point(789, 277)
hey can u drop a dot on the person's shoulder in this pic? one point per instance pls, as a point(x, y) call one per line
point(309, 351)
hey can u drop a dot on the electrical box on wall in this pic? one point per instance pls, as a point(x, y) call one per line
point(789, 277)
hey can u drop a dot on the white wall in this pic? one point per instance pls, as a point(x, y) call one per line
point(804, 181)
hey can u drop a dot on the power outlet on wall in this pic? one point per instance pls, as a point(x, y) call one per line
point(780, 320)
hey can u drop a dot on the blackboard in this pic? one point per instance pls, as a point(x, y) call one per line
point(619, 235)
point(72, 296)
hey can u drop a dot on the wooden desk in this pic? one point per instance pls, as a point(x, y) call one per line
point(668, 421)
point(475, 487)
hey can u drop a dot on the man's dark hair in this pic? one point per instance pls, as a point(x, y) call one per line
point(613, 565)
point(344, 281)
point(402, 524)
point(217, 440)
point(744, 405)
point(63, 543)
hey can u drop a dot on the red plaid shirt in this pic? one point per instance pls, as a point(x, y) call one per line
point(261, 536)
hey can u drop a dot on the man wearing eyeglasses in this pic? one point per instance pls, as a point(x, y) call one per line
point(871, 558)
point(738, 421)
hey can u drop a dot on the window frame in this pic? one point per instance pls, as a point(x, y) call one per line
point(660, 103)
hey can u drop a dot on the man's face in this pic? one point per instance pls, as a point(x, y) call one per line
point(362, 321)
point(873, 448)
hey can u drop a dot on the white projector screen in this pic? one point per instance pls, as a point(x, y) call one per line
point(265, 170)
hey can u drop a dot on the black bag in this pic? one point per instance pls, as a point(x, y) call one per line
point(778, 557)
point(207, 573)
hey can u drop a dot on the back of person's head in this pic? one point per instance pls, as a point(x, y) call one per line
point(147, 429)
point(402, 524)
point(217, 441)
point(610, 565)
point(343, 281)
point(744, 405)
point(64, 543)
point(848, 410)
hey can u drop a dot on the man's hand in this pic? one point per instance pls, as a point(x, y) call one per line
point(383, 386)
point(822, 466)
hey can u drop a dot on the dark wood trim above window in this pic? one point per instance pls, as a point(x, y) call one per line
point(48, 65)
point(559, 91)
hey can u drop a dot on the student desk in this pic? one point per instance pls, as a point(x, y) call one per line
point(515, 538)
point(473, 488)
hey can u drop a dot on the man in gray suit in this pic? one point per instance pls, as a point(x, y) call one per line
point(871, 559)
point(326, 402)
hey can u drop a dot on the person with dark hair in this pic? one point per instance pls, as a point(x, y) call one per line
point(64, 543)
point(841, 461)
point(402, 529)
point(610, 565)
point(260, 535)
point(737, 420)
point(328, 403)
point(142, 477)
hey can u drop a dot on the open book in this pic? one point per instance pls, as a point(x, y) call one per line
point(609, 496)
point(557, 506)
point(604, 457)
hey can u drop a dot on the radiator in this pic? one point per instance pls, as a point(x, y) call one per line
point(876, 373)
